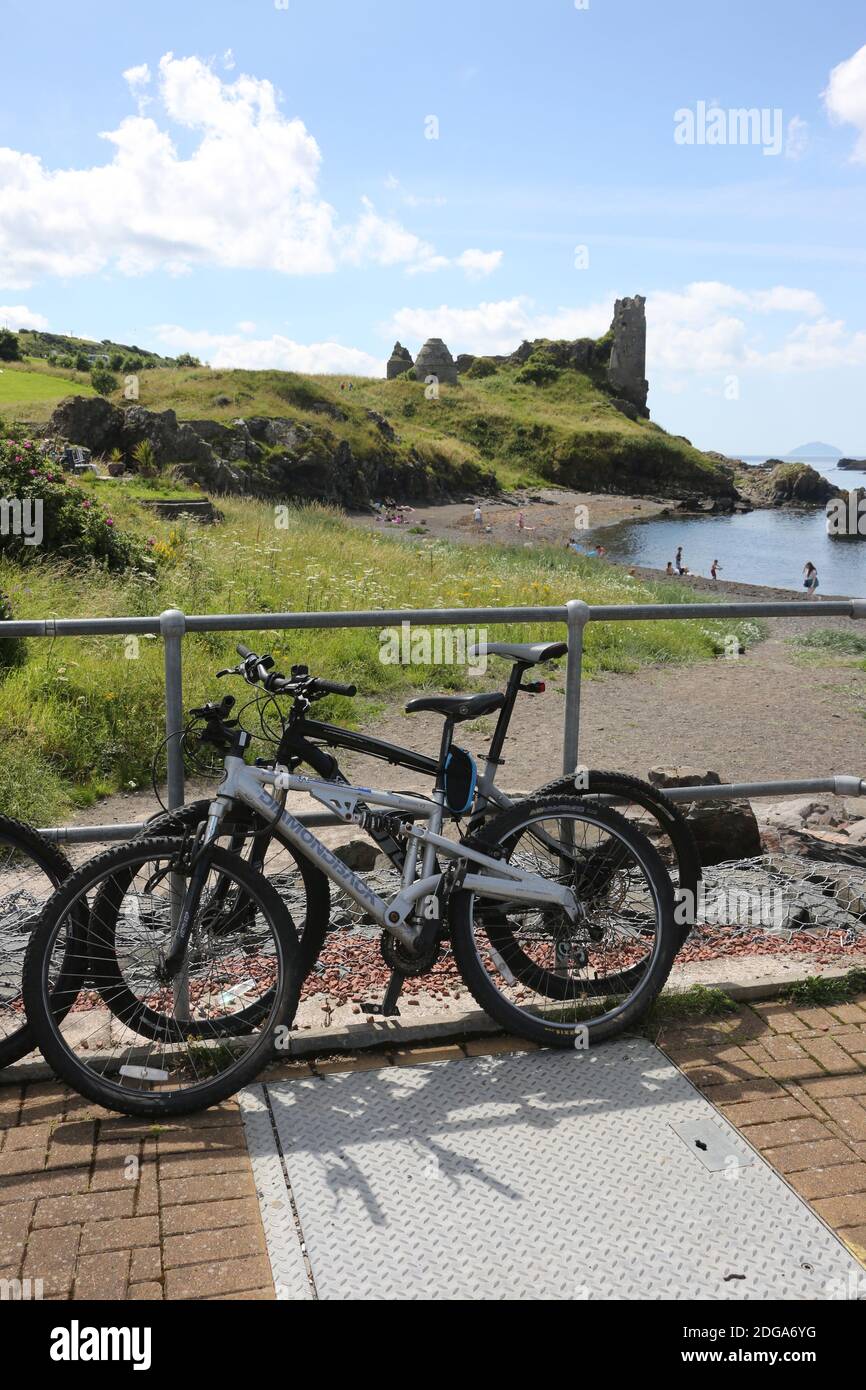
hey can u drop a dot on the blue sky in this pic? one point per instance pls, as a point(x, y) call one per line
point(258, 184)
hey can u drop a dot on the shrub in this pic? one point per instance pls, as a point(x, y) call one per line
point(537, 372)
point(82, 362)
point(67, 524)
point(102, 381)
point(12, 649)
point(115, 361)
point(481, 367)
point(133, 364)
point(9, 347)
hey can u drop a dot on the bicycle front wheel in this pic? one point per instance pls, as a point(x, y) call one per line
point(110, 1051)
point(542, 976)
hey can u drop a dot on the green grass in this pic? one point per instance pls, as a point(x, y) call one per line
point(698, 1001)
point(832, 642)
point(23, 386)
point(82, 716)
point(817, 989)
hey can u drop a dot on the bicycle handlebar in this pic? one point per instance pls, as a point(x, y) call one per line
point(258, 668)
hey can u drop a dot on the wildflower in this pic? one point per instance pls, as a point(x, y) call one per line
point(109, 521)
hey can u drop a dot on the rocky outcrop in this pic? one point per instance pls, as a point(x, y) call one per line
point(399, 362)
point(277, 458)
point(784, 484)
point(434, 359)
point(627, 367)
point(856, 464)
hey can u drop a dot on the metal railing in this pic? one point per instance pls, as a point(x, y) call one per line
point(173, 625)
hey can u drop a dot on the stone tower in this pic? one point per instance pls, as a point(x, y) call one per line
point(627, 368)
point(434, 359)
point(399, 362)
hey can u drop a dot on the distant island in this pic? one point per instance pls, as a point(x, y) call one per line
point(815, 450)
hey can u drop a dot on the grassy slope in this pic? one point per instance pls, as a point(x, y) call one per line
point(31, 389)
point(567, 433)
point(83, 716)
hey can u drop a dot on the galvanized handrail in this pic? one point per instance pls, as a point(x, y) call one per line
point(173, 624)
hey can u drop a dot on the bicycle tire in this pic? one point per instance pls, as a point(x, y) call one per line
point(26, 841)
point(501, 830)
point(97, 1086)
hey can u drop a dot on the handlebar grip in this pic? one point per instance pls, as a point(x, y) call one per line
point(243, 651)
point(335, 688)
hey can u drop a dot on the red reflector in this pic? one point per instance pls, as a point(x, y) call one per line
point(541, 687)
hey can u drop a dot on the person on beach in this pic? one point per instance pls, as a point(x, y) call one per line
point(810, 579)
point(600, 552)
point(669, 570)
point(477, 517)
point(714, 571)
point(678, 561)
point(521, 521)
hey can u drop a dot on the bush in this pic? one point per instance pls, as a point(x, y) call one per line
point(102, 381)
point(12, 649)
point(133, 364)
point(55, 514)
point(9, 348)
point(537, 372)
point(481, 367)
point(82, 362)
point(115, 361)
point(145, 456)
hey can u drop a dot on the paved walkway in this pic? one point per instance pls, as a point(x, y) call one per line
point(99, 1206)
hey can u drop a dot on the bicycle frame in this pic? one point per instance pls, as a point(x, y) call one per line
point(499, 879)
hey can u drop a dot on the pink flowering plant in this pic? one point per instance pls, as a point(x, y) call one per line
point(73, 526)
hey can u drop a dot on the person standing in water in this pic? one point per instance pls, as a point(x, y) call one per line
point(810, 579)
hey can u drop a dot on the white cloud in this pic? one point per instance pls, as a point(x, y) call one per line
point(246, 326)
point(246, 195)
point(275, 352)
point(229, 62)
point(499, 326)
point(19, 316)
point(477, 264)
point(845, 98)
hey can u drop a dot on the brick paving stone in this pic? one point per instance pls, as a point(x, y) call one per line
point(780, 1017)
point(17, 1161)
point(842, 1211)
point(799, 1094)
point(51, 1256)
point(856, 1236)
point(146, 1265)
point(849, 1114)
point(794, 1158)
point(147, 1190)
point(28, 1137)
point(777, 1048)
point(145, 1291)
point(60, 1182)
point(234, 1242)
point(848, 1013)
point(113, 1164)
point(257, 1295)
point(784, 1132)
point(85, 1207)
point(839, 1181)
point(764, 1112)
point(205, 1216)
point(189, 1140)
point(14, 1225)
point(190, 1165)
point(10, 1106)
point(816, 1018)
point(822, 1087)
point(417, 1056)
point(830, 1055)
point(103, 1275)
point(219, 1188)
point(120, 1234)
point(755, 1089)
point(71, 1145)
point(210, 1280)
point(792, 1069)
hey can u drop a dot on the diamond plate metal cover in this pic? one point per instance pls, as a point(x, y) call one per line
point(284, 1246)
point(537, 1175)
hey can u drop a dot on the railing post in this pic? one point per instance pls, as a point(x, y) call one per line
point(578, 617)
point(172, 625)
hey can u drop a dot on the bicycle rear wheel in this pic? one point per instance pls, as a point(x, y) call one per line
point(31, 868)
point(115, 1055)
point(558, 982)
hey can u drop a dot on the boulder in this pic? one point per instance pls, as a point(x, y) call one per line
point(463, 362)
point(358, 855)
point(723, 830)
point(88, 420)
point(383, 425)
point(857, 832)
point(434, 359)
point(399, 362)
point(213, 475)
